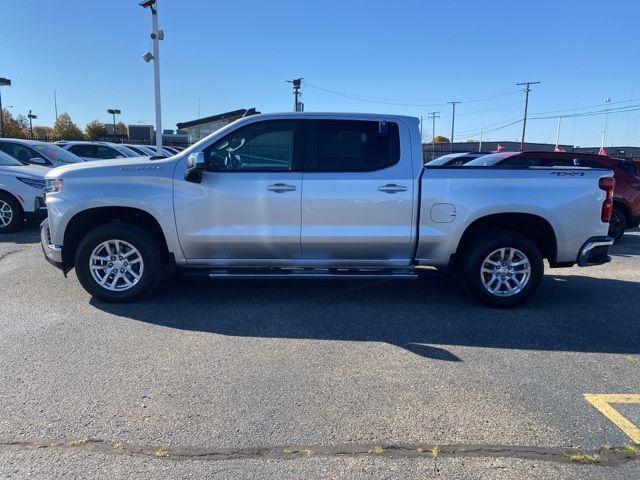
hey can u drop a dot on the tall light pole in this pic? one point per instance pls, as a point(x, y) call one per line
point(453, 120)
point(527, 89)
point(31, 116)
point(4, 82)
point(156, 36)
point(114, 112)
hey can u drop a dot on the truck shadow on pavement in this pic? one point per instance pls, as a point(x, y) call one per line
point(569, 313)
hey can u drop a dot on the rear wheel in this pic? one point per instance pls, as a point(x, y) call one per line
point(118, 262)
point(617, 225)
point(502, 270)
point(11, 214)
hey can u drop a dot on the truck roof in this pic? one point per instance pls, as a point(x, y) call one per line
point(335, 115)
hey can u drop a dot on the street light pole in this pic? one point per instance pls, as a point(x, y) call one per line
point(31, 117)
point(4, 82)
point(156, 36)
point(114, 112)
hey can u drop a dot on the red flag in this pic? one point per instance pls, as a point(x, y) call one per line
point(501, 148)
point(559, 149)
point(602, 151)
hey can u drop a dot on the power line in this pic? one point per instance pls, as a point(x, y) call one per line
point(405, 102)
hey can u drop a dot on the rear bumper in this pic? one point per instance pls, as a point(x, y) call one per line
point(53, 253)
point(595, 251)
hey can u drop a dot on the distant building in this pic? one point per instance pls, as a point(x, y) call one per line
point(200, 128)
point(140, 133)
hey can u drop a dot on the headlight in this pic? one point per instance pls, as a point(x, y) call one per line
point(54, 185)
point(32, 182)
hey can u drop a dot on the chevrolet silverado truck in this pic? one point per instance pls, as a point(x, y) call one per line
point(319, 195)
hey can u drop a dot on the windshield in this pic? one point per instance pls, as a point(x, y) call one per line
point(8, 161)
point(126, 151)
point(55, 153)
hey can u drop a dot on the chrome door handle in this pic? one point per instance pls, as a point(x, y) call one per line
point(392, 188)
point(281, 187)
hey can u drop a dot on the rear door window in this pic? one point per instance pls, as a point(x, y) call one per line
point(351, 145)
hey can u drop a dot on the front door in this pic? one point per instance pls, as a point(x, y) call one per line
point(358, 194)
point(246, 210)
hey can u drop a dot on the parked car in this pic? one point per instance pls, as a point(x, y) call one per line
point(308, 195)
point(37, 153)
point(626, 195)
point(21, 192)
point(173, 150)
point(454, 159)
point(141, 150)
point(165, 151)
point(97, 150)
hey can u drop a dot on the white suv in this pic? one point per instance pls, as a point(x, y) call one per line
point(98, 150)
point(21, 192)
point(38, 153)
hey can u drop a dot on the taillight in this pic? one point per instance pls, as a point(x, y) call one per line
point(607, 184)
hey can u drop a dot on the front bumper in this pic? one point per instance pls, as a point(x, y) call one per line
point(40, 210)
point(595, 251)
point(53, 253)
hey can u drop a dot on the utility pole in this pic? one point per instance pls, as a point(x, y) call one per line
point(55, 103)
point(453, 121)
point(558, 130)
point(480, 144)
point(31, 117)
point(297, 83)
point(433, 116)
point(606, 114)
point(527, 89)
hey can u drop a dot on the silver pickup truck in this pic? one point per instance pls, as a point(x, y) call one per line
point(316, 195)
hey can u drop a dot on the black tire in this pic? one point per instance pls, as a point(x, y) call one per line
point(8, 201)
point(473, 278)
point(149, 250)
point(617, 224)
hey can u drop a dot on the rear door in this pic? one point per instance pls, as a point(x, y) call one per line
point(357, 200)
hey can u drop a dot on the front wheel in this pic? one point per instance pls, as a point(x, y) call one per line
point(118, 262)
point(502, 270)
point(11, 214)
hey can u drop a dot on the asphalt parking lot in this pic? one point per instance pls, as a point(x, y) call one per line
point(318, 379)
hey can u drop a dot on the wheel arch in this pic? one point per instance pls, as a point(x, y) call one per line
point(534, 227)
point(7, 192)
point(85, 221)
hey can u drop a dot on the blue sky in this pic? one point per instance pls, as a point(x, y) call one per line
point(405, 56)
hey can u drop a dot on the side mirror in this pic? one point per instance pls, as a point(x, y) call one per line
point(120, 156)
point(196, 164)
point(38, 161)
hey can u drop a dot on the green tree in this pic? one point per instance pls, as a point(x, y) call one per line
point(65, 129)
point(121, 129)
point(440, 139)
point(94, 130)
point(42, 132)
point(14, 127)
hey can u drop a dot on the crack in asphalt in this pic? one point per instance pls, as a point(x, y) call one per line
point(7, 254)
point(605, 456)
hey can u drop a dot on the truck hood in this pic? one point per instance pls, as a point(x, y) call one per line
point(27, 171)
point(98, 166)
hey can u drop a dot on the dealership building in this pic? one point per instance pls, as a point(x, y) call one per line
point(201, 127)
